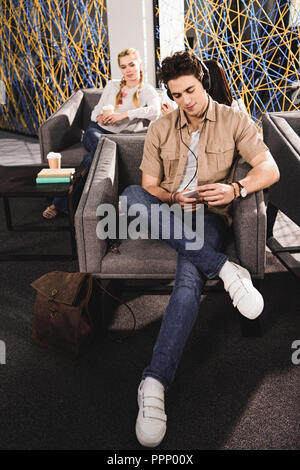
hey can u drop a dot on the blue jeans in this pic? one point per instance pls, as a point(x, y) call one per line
point(90, 141)
point(92, 136)
point(193, 268)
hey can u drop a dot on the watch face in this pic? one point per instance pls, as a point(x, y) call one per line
point(243, 192)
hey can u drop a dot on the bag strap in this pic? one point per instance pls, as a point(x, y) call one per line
point(98, 282)
point(87, 297)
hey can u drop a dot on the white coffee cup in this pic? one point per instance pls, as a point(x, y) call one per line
point(54, 159)
point(108, 109)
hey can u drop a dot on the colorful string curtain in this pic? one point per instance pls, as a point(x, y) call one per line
point(49, 49)
point(257, 43)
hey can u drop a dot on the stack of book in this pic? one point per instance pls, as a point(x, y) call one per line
point(55, 175)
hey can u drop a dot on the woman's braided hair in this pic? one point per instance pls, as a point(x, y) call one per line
point(135, 98)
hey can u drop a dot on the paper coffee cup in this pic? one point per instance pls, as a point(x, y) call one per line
point(108, 109)
point(54, 160)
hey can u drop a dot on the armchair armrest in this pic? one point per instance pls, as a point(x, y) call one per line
point(284, 145)
point(62, 128)
point(249, 225)
point(101, 188)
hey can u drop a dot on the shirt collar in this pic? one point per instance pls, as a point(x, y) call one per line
point(210, 114)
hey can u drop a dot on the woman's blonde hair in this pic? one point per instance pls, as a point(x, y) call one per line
point(135, 98)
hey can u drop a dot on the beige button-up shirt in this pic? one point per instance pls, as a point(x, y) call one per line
point(225, 133)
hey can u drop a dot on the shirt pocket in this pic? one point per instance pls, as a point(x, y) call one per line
point(170, 160)
point(219, 159)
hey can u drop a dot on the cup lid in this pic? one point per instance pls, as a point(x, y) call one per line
point(53, 155)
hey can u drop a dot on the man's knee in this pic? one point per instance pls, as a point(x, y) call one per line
point(133, 193)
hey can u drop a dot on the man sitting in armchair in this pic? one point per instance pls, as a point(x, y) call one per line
point(194, 148)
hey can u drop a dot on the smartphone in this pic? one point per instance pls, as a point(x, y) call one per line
point(191, 194)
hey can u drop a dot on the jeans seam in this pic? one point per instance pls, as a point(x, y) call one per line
point(219, 267)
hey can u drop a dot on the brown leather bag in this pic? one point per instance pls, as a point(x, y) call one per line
point(62, 320)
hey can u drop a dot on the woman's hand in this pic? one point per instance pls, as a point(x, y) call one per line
point(166, 108)
point(112, 118)
point(100, 118)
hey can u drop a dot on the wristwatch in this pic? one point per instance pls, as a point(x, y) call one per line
point(243, 190)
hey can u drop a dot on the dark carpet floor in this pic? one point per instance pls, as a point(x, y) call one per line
point(230, 392)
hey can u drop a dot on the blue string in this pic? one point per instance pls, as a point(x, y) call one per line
point(57, 54)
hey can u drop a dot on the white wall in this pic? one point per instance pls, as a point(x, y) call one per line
point(171, 26)
point(130, 24)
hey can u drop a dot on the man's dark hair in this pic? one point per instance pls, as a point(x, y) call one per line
point(178, 64)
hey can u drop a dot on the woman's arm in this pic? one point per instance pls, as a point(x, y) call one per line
point(107, 97)
point(166, 108)
point(151, 110)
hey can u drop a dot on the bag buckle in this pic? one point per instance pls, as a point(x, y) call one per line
point(52, 295)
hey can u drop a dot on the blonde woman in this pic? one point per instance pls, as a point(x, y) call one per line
point(132, 101)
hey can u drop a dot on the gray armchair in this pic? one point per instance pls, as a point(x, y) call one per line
point(281, 132)
point(115, 166)
point(62, 131)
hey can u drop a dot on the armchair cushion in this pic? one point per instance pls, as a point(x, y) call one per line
point(144, 259)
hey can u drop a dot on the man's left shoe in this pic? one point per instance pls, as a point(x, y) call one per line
point(245, 297)
point(151, 421)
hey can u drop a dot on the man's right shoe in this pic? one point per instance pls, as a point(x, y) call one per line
point(245, 297)
point(151, 421)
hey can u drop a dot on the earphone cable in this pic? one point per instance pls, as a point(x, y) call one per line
point(195, 156)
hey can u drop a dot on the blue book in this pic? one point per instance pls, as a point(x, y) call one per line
point(59, 179)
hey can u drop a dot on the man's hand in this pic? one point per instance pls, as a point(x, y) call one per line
point(216, 194)
point(182, 200)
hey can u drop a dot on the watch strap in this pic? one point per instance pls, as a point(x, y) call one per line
point(234, 190)
point(240, 186)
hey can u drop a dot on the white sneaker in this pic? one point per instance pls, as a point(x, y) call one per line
point(151, 422)
point(245, 297)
